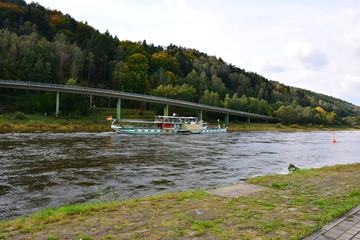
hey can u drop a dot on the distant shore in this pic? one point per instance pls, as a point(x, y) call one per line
point(105, 126)
point(97, 123)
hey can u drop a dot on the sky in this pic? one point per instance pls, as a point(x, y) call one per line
point(310, 44)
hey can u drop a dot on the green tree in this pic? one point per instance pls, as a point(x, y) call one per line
point(128, 48)
point(352, 120)
point(288, 114)
point(120, 81)
point(165, 61)
point(137, 66)
point(210, 98)
point(160, 77)
point(184, 92)
point(217, 85)
point(192, 78)
point(265, 108)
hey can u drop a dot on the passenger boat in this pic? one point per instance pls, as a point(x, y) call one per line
point(166, 125)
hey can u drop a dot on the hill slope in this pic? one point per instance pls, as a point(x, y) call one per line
point(44, 45)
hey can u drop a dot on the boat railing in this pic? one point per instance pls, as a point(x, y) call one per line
point(213, 127)
point(141, 126)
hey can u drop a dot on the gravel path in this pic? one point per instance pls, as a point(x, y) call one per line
point(237, 190)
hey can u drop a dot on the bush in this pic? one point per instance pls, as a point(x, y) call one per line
point(19, 116)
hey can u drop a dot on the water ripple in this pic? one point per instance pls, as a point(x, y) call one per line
point(42, 170)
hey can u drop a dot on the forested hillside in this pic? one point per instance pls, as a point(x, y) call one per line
point(43, 45)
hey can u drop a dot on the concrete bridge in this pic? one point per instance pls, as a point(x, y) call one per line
point(130, 96)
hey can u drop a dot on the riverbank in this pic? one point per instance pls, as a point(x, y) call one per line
point(72, 125)
point(281, 127)
point(291, 207)
point(98, 123)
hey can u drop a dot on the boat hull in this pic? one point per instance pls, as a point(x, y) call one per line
point(145, 131)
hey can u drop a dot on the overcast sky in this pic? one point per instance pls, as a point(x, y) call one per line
point(311, 44)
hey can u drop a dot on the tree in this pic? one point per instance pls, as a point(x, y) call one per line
point(184, 92)
point(288, 114)
point(210, 98)
point(243, 85)
point(162, 77)
point(70, 58)
point(129, 48)
point(352, 120)
point(217, 85)
point(137, 70)
point(331, 118)
point(165, 61)
point(192, 78)
point(265, 108)
point(185, 64)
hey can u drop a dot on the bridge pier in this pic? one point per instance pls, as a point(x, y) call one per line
point(248, 120)
point(118, 109)
point(200, 115)
point(57, 104)
point(227, 118)
point(166, 110)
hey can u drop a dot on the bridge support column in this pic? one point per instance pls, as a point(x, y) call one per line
point(90, 100)
point(200, 115)
point(118, 109)
point(166, 110)
point(57, 104)
point(248, 120)
point(227, 118)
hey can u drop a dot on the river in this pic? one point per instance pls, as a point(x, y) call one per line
point(50, 169)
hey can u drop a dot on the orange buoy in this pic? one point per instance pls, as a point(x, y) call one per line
point(334, 140)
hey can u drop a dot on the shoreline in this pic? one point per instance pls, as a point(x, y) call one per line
point(106, 127)
point(95, 122)
point(289, 206)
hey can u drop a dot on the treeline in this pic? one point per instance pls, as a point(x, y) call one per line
point(42, 45)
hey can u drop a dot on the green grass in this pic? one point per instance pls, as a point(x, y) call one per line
point(94, 121)
point(84, 237)
point(52, 237)
point(280, 185)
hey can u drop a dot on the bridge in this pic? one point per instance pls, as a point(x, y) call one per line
point(129, 96)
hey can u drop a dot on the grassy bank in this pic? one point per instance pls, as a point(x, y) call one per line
point(293, 206)
point(95, 121)
point(281, 127)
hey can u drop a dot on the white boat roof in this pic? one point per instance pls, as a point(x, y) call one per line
point(135, 121)
point(160, 117)
point(176, 117)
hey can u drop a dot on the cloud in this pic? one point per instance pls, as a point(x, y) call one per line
point(310, 57)
point(350, 84)
point(175, 3)
point(272, 68)
point(315, 60)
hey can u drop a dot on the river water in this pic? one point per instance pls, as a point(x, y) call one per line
point(50, 169)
